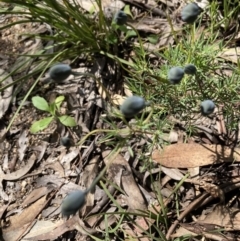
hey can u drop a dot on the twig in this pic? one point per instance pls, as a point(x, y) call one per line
point(192, 206)
point(202, 200)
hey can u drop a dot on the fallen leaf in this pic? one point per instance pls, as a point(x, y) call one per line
point(59, 229)
point(57, 167)
point(89, 175)
point(35, 195)
point(223, 217)
point(127, 91)
point(13, 234)
point(23, 144)
point(208, 231)
point(26, 216)
point(41, 227)
point(194, 155)
point(173, 137)
point(175, 174)
point(133, 195)
point(21, 172)
point(231, 54)
point(6, 94)
point(3, 209)
point(118, 99)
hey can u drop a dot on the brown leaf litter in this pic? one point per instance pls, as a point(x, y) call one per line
point(187, 155)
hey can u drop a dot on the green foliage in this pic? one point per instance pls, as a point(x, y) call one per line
point(41, 124)
point(40, 103)
point(53, 109)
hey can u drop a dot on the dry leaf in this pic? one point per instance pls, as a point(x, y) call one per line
point(231, 54)
point(208, 231)
point(57, 167)
point(27, 216)
point(89, 175)
point(42, 227)
point(173, 137)
point(133, 195)
point(127, 91)
point(224, 217)
point(183, 232)
point(21, 172)
point(23, 144)
point(118, 99)
point(35, 195)
point(6, 94)
point(175, 174)
point(194, 155)
point(3, 209)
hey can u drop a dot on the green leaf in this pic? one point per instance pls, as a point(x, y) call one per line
point(153, 39)
point(112, 38)
point(67, 120)
point(40, 103)
point(41, 124)
point(58, 101)
point(127, 10)
point(130, 33)
point(52, 108)
point(123, 28)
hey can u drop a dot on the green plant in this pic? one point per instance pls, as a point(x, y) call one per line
point(53, 109)
point(83, 34)
point(75, 33)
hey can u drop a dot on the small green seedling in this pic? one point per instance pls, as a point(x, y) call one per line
point(53, 109)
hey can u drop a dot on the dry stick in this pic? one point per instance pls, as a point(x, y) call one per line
point(226, 188)
point(154, 10)
point(202, 200)
point(192, 206)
